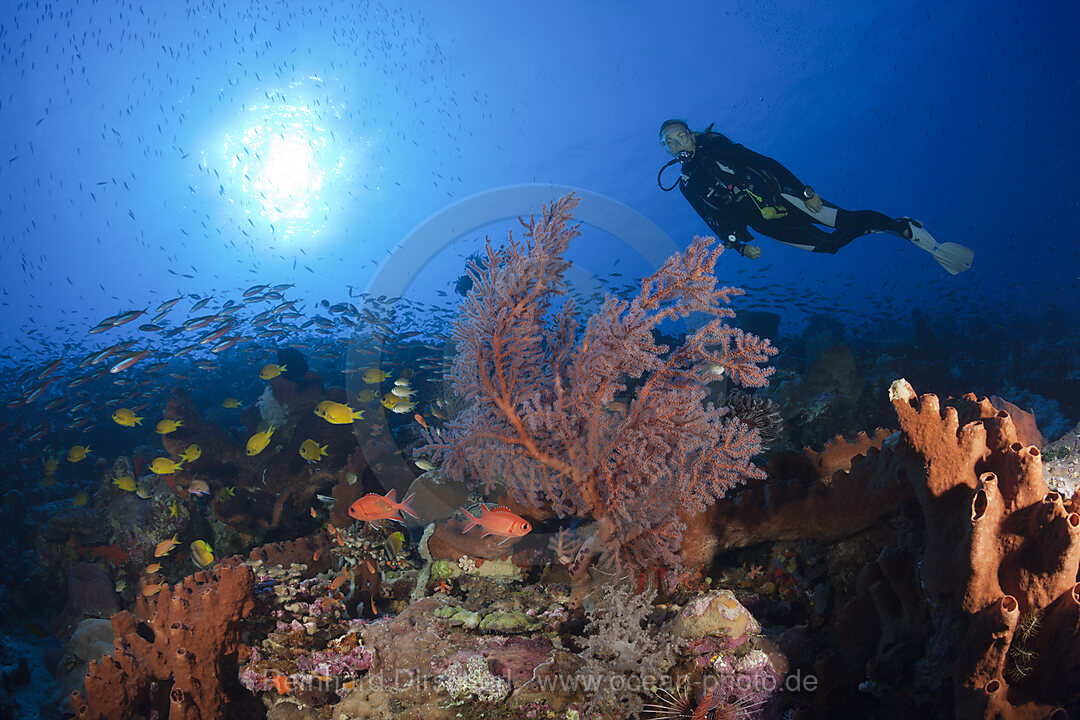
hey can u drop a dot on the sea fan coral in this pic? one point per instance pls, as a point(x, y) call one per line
point(540, 418)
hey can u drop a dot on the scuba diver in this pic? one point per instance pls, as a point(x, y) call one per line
point(732, 187)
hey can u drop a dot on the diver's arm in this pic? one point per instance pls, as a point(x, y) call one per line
point(744, 156)
point(714, 218)
point(732, 235)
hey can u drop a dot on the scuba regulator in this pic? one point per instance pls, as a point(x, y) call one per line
point(681, 157)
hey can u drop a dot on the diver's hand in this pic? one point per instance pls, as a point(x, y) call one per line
point(751, 251)
point(814, 202)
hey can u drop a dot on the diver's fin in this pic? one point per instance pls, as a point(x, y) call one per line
point(955, 258)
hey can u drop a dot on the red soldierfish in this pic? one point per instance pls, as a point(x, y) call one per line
point(499, 521)
point(374, 507)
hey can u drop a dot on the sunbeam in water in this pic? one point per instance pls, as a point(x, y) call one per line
point(281, 166)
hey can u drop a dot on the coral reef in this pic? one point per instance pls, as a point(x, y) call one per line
point(542, 420)
point(473, 679)
point(622, 651)
point(1000, 545)
point(312, 636)
point(826, 496)
point(91, 640)
point(179, 648)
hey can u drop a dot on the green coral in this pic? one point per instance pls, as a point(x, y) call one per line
point(508, 623)
point(1052, 454)
point(444, 570)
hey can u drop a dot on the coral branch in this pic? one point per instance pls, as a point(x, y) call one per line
point(539, 421)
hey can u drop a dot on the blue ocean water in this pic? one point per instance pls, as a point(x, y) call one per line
point(128, 131)
point(326, 153)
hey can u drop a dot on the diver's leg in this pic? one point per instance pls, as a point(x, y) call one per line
point(808, 237)
point(860, 222)
point(868, 221)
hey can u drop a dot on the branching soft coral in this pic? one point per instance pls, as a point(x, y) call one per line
point(539, 392)
point(622, 646)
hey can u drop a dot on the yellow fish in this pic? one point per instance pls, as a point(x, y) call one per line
point(320, 409)
point(50, 466)
point(173, 509)
point(77, 453)
point(165, 466)
point(152, 589)
point(165, 427)
point(202, 554)
point(389, 400)
point(166, 546)
point(126, 483)
point(48, 481)
point(125, 417)
point(394, 544)
point(337, 413)
point(80, 499)
point(231, 403)
point(269, 372)
point(311, 451)
point(374, 376)
point(258, 442)
point(366, 395)
point(193, 453)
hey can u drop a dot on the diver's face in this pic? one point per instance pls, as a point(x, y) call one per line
point(679, 139)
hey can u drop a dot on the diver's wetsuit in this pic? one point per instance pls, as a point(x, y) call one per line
point(732, 187)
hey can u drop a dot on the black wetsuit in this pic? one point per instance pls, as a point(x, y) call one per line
point(732, 187)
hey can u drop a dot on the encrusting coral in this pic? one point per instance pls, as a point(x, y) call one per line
point(542, 419)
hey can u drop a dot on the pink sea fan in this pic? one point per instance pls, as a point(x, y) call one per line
point(539, 389)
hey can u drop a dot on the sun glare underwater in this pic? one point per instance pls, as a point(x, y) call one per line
point(571, 361)
point(284, 165)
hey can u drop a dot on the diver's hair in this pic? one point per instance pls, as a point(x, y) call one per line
point(709, 132)
point(673, 121)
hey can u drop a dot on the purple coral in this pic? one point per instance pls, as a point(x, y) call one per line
point(540, 390)
point(747, 680)
point(333, 663)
